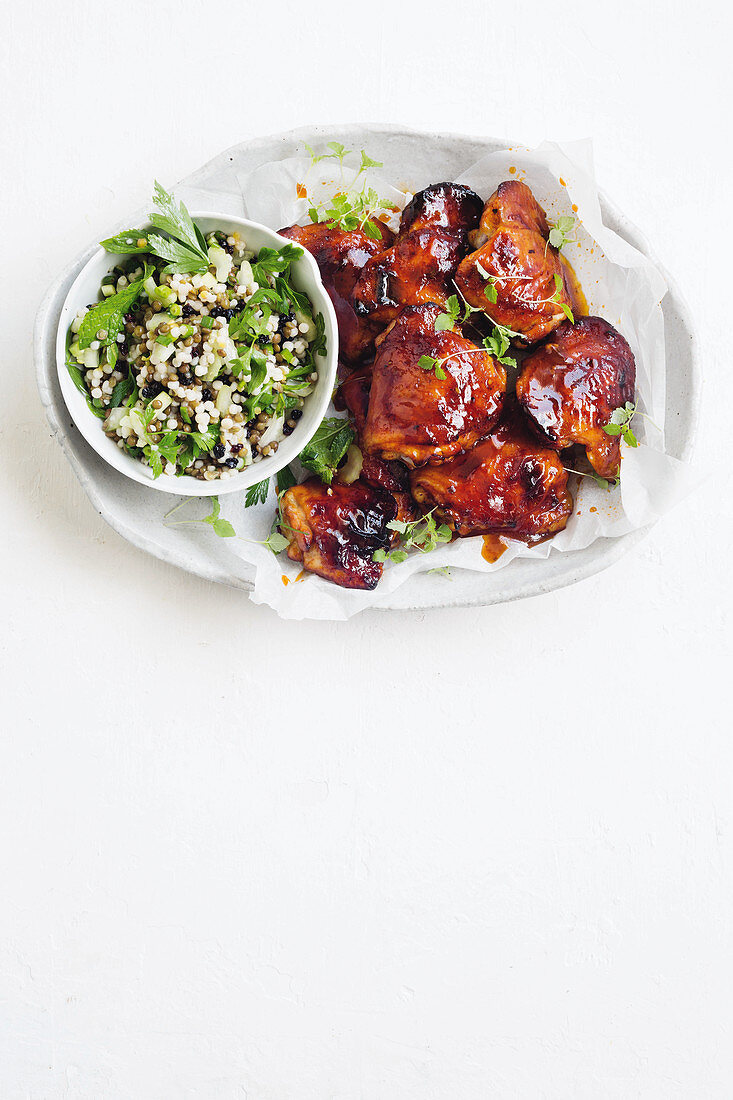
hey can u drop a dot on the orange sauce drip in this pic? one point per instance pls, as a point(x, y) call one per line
point(579, 300)
point(562, 181)
point(574, 208)
point(493, 548)
point(285, 580)
point(300, 577)
point(594, 509)
point(300, 190)
point(512, 169)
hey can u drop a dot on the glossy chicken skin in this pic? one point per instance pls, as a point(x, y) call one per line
point(413, 414)
point(421, 264)
point(353, 394)
point(512, 247)
point(419, 267)
point(449, 206)
point(335, 530)
point(570, 387)
point(509, 484)
point(340, 257)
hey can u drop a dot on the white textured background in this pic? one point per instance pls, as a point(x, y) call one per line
point(451, 856)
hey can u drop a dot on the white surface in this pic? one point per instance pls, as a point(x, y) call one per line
point(463, 854)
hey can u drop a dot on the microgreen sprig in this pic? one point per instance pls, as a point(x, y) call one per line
point(620, 423)
point(605, 483)
point(497, 344)
point(560, 232)
point(423, 534)
point(221, 527)
point(350, 208)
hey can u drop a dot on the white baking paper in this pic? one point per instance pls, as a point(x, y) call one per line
point(620, 284)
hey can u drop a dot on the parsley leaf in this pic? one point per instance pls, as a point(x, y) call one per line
point(327, 447)
point(257, 494)
point(130, 242)
point(284, 479)
point(187, 250)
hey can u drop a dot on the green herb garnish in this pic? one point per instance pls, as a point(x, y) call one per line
point(131, 242)
point(221, 527)
point(186, 249)
point(423, 534)
point(328, 446)
point(620, 423)
point(104, 321)
point(561, 230)
point(349, 209)
point(257, 494)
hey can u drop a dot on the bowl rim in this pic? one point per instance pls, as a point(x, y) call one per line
point(184, 485)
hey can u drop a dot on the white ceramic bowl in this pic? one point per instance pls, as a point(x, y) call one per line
point(306, 278)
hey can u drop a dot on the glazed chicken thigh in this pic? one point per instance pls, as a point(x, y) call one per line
point(449, 206)
point(509, 484)
point(418, 416)
point(570, 387)
point(515, 262)
point(340, 256)
point(421, 264)
point(334, 530)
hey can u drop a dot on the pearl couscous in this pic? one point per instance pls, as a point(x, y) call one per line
point(208, 370)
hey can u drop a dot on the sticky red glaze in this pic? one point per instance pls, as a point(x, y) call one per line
point(570, 387)
point(340, 257)
point(334, 530)
point(418, 268)
point(449, 206)
point(417, 417)
point(353, 394)
point(513, 241)
point(508, 484)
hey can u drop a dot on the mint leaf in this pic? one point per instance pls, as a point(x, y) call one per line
point(327, 447)
point(108, 316)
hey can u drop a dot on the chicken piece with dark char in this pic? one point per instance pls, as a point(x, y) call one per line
point(353, 394)
point(449, 206)
point(509, 484)
point(422, 415)
point(517, 265)
point(571, 385)
point(340, 256)
point(421, 264)
point(334, 530)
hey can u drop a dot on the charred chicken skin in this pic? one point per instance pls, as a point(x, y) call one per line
point(514, 259)
point(418, 268)
point(449, 206)
point(570, 387)
point(421, 264)
point(340, 256)
point(509, 484)
point(353, 394)
point(414, 414)
point(334, 530)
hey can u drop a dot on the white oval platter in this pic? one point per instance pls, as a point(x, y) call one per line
point(412, 159)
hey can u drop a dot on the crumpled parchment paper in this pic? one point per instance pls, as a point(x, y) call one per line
point(620, 284)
